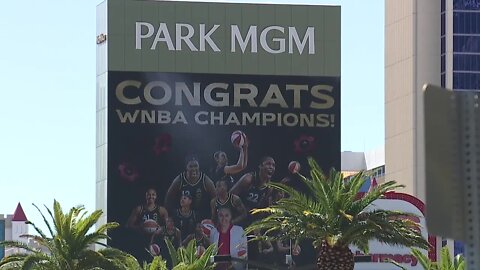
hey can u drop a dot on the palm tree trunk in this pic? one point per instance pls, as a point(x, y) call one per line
point(335, 258)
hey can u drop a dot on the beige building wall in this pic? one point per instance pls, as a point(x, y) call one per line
point(412, 58)
point(101, 109)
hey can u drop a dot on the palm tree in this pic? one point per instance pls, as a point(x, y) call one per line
point(156, 264)
point(334, 217)
point(67, 246)
point(445, 262)
point(186, 258)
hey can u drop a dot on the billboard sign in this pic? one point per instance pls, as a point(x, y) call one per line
point(202, 104)
point(380, 252)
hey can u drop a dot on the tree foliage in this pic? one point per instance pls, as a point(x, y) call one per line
point(331, 212)
point(184, 258)
point(67, 246)
point(445, 263)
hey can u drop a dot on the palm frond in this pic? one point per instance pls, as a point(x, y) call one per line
point(172, 251)
point(91, 258)
point(396, 264)
point(15, 259)
point(36, 260)
point(17, 244)
point(459, 262)
point(85, 223)
point(424, 260)
point(59, 218)
point(375, 194)
point(156, 264)
point(186, 257)
point(204, 261)
point(14, 265)
point(445, 262)
point(45, 221)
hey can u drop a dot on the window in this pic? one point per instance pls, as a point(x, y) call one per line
point(443, 24)
point(466, 43)
point(442, 64)
point(466, 22)
point(466, 62)
point(442, 46)
point(465, 4)
point(467, 81)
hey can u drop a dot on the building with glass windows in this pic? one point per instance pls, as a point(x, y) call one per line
point(460, 44)
point(426, 41)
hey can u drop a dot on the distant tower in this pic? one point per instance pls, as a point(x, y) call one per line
point(14, 226)
point(18, 224)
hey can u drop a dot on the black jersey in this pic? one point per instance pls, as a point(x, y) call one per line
point(198, 192)
point(255, 196)
point(219, 174)
point(185, 223)
point(152, 214)
point(229, 203)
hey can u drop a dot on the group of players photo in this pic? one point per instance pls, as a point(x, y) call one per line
point(213, 207)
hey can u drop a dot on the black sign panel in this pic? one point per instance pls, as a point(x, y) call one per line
point(167, 130)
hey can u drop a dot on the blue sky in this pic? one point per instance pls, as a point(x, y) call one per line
point(47, 104)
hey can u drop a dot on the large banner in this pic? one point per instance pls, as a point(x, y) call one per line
point(163, 124)
point(199, 107)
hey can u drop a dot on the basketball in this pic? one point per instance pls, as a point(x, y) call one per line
point(207, 225)
point(294, 167)
point(155, 249)
point(238, 138)
point(150, 226)
point(200, 251)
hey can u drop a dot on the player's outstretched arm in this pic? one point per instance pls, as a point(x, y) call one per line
point(241, 162)
point(242, 184)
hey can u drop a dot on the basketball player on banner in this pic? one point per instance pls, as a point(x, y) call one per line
point(252, 188)
point(185, 217)
point(222, 169)
point(230, 240)
point(192, 182)
point(148, 219)
point(170, 233)
point(226, 199)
